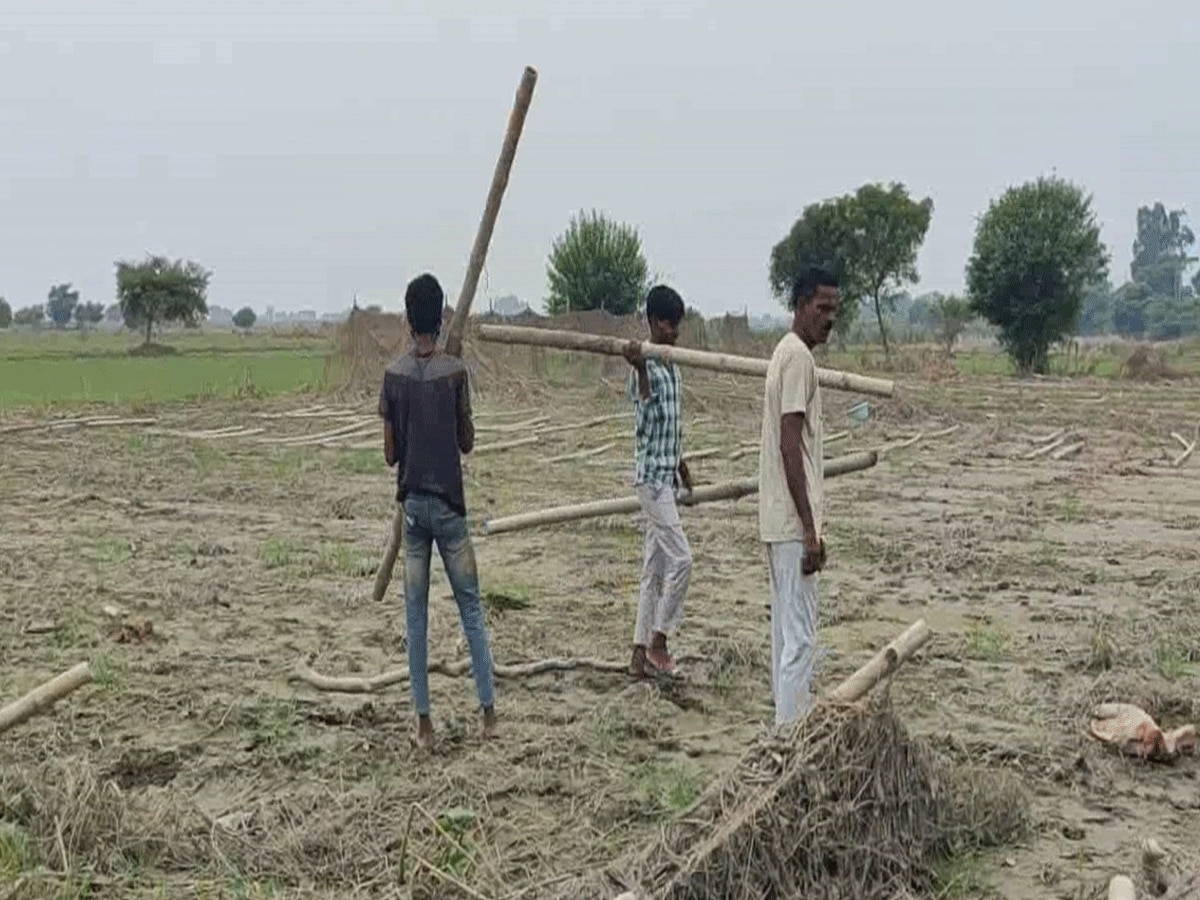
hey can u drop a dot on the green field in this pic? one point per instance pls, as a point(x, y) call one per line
point(40, 370)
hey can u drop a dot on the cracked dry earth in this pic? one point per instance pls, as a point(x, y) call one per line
point(196, 572)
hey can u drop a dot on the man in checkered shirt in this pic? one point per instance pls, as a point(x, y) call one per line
point(656, 390)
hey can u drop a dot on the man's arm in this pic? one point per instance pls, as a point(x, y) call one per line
point(796, 384)
point(791, 444)
point(466, 425)
point(393, 408)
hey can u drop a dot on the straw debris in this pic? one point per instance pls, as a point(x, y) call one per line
point(844, 805)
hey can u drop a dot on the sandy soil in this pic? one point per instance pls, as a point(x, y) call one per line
point(1051, 584)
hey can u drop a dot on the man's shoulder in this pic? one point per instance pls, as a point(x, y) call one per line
point(439, 365)
point(791, 349)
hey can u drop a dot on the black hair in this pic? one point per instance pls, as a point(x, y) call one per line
point(804, 288)
point(423, 301)
point(665, 304)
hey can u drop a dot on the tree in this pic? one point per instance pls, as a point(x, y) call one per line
point(6, 315)
point(596, 264)
point(889, 228)
point(952, 315)
point(823, 236)
point(244, 318)
point(160, 290)
point(90, 313)
point(30, 315)
point(60, 305)
point(1037, 252)
point(1160, 250)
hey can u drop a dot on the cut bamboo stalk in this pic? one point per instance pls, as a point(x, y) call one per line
point(106, 422)
point(1182, 440)
point(353, 684)
point(943, 432)
point(1069, 450)
point(581, 454)
point(1183, 457)
point(44, 696)
point(506, 413)
point(701, 454)
point(505, 445)
point(1052, 436)
point(512, 426)
point(900, 445)
point(1047, 448)
point(383, 576)
point(883, 663)
point(699, 359)
point(836, 436)
point(320, 436)
point(590, 423)
point(491, 210)
point(744, 451)
point(732, 490)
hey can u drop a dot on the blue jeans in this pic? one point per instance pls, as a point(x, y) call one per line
point(428, 519)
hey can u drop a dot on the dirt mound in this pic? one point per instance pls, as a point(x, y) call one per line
point(847, 805)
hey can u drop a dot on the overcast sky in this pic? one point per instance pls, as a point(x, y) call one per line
point(305, 149)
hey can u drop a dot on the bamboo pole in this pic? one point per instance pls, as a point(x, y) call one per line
point(731, 490)
point(700, 359)
point(883, 663)
point(44, 696)
point(383, 575)
point(491, 209)
point(483, 237)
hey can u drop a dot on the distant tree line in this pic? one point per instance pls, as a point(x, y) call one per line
point(1038, 273)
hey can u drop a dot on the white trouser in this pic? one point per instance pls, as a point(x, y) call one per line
point(793, 631)
point(666, 567)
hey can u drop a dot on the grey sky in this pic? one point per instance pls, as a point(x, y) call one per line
point(303, 149)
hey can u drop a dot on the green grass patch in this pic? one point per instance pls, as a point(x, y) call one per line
point(67, 367)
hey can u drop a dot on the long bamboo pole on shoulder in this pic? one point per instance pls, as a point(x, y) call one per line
point(699, 359)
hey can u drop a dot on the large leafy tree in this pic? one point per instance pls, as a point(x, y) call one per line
point(5, 313)
point(1161, 250)
point(868, 239)
point(1037, 253)
point(60, 304)
point(823, 236)
point(159, 290)
point(596, 264)
point(90, 313)
point(889, 228)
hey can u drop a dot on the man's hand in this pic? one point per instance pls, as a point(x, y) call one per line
point(814, 554)
point(685, 476)
point(633, 354)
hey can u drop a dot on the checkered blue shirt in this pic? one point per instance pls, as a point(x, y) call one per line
point(658, 430)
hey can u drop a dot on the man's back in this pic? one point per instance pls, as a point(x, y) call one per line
point(427, 401)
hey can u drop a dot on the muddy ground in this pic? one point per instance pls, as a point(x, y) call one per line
point(197, 572)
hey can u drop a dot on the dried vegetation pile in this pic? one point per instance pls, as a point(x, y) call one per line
point(844, 805)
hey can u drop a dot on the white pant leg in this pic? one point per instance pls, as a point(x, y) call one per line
point(651, 582)
point(794, 630)
point(673, 557)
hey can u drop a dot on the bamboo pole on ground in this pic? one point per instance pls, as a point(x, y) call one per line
point(483, 237)
point(700, 359)
point(731, 490)
point(44, 696)
point(883, 663)
point(491, 210)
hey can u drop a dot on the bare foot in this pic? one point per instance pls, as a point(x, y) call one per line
point(487, 724)
point(659, 656)
point(424, 739)
point(637, 664)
